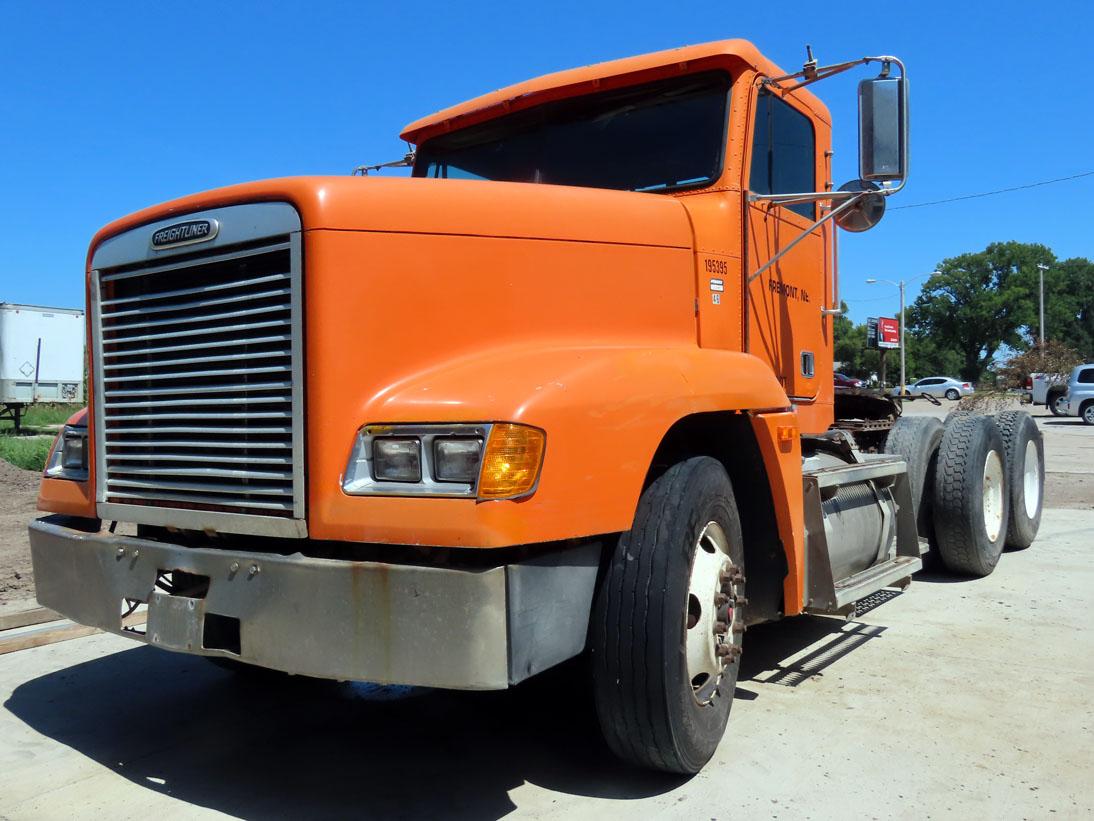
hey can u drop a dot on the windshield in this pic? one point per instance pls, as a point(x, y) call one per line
point(657, 137)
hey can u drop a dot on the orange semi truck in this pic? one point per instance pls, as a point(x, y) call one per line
point(567, 389)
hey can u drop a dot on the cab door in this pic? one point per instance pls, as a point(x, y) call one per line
point(786, 325)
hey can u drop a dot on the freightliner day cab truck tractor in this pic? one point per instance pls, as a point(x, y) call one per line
point(566, 389)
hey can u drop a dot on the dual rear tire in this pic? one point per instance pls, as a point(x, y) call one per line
point(977, 484)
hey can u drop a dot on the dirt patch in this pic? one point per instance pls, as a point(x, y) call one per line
point(1070, 490)
point(18, 497)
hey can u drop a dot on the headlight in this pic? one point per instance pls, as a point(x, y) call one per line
point(488, 461)
point(396, 460)
point(456, 460)
point(68, 459)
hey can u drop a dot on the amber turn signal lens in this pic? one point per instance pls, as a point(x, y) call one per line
point(510, 466)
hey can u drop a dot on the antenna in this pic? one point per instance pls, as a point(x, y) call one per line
point(809, 70)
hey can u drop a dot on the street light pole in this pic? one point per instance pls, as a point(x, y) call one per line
point(1042, 268)
point(900, 285)
point(903, 375)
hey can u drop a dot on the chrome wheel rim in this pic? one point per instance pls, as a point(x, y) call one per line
point(1060, 403)
point(1088, 415)
point(1031, 479)
point(993, 495)
point(710, 620)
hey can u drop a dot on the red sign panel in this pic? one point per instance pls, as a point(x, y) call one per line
point(888, 333)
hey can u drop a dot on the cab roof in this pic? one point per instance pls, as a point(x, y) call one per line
point(724, 54)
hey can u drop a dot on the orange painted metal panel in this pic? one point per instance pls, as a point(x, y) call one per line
point(64, 495)
point(732, 55)
point(780, 445)
point(606, 384)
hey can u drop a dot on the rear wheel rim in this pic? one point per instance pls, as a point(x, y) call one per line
point(1060, 404)
point(1031, 479)
point(1088, 415)
point(993, 495)
point(711, 614)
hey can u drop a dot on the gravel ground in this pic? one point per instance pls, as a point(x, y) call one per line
point(18, 495)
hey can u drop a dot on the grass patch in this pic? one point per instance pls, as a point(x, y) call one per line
point(26, 452)
point(40, 414)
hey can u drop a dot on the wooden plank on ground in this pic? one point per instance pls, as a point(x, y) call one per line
point(56, 631)
point(25, 618)
point(49, 634)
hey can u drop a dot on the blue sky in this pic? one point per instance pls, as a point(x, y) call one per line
point(109, 107)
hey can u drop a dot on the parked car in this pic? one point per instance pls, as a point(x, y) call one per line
point(937, 386)
point(844, 381)
point(1049, 389)
point(1080, 393)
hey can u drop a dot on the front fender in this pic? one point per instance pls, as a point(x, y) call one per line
point(605, 411)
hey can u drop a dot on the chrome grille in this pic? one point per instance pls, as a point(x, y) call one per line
point(198, 372)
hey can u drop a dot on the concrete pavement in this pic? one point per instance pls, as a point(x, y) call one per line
point(956, 698)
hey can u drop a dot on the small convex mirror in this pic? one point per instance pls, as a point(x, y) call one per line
point(883, 152)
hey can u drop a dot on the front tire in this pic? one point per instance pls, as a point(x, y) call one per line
point(667, 624)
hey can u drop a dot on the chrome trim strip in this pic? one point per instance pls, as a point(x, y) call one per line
point(206, 520)
point(238, 223)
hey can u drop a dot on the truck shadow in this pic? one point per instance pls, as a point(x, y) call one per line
point(265, 745)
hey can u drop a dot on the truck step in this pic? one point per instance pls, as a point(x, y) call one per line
point(859, 586)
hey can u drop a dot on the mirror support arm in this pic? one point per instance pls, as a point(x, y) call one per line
point(835, 212)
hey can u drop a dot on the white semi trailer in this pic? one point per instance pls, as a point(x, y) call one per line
point(41, 357)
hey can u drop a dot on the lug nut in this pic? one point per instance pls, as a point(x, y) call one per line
point(739, 628)
point(730, 652)
point(720, 628)
point(720, 599)
point(741, 601)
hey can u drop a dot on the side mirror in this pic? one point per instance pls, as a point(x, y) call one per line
point(883, 128)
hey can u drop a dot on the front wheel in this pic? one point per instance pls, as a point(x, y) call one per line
point(1086, 413)
point(953, 395)
point(667, 624)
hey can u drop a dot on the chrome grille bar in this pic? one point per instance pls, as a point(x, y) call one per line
point(198, 370)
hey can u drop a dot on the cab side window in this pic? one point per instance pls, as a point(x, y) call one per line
point(783, 153)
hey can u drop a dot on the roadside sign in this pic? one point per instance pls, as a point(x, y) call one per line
point(888, 333)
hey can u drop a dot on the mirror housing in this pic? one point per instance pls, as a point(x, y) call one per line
point(883, 128)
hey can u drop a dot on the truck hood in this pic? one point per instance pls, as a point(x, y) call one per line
point(455, 207)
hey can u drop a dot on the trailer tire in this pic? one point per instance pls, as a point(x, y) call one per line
point(917, 438)
point(971, 503)
point(640, 645)
point(1025, 451)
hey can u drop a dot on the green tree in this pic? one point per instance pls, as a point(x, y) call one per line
point(1069, 305)
point(979, 302)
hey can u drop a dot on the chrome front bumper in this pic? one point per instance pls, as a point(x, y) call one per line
point(478, 629)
